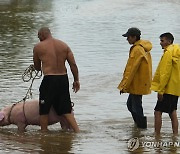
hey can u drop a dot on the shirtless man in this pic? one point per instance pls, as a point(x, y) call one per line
point(50, 55)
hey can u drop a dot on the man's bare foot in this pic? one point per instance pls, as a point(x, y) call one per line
point(44, 130)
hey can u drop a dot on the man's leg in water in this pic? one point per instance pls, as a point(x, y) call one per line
point(44, 122)
point(157, 122)
point(70, 118)
point(174, 121)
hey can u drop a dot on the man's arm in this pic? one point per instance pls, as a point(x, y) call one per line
point(36, 60)
point(74, 70)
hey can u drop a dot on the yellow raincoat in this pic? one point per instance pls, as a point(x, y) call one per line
point(167, 76)
point(137, 75)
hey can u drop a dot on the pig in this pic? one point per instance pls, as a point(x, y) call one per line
point(27, 113)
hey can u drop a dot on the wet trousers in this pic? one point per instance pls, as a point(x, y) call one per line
point(134, 105)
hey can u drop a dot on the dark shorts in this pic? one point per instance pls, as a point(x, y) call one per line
point(54, 91)
point(168, 104)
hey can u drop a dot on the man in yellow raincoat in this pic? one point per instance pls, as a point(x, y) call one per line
point(137, 75)
point(166, 82)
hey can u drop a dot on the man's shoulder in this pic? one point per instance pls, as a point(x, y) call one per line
point(38, 46)
point(136, 48)
point(60, 41)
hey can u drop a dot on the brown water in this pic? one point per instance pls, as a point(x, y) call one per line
point(93, 30)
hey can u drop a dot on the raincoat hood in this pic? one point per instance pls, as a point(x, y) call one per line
point(147, 45)
point(175, 49)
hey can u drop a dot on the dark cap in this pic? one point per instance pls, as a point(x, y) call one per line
point(132, 32)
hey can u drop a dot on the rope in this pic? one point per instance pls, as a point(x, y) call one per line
point(9, 115)
point(30, 73)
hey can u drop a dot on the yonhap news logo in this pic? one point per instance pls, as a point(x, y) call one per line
point(135, 143)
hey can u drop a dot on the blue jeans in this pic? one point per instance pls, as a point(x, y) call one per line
point(134, 105)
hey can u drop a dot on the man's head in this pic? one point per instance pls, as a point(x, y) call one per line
point(166, 39)
point(44, 33)
point(133, 35)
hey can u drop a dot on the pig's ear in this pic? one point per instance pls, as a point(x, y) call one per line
point(1, 116)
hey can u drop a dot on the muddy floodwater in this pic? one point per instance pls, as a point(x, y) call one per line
point(93, 29)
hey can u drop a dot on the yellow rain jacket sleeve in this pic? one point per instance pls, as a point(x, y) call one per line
point(167, 76)
point(138, 72)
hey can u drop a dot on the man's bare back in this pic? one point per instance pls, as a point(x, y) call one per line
point(53, 53)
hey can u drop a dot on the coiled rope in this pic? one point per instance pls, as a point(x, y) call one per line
point(30, 74)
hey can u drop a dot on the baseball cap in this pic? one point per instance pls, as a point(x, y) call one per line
point(133, 31)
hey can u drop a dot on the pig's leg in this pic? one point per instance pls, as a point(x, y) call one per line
point(21, 127)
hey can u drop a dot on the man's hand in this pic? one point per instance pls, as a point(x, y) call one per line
point(160, 97)
point(76, 86)
point(121, 91)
